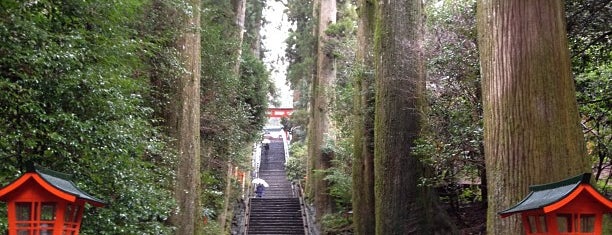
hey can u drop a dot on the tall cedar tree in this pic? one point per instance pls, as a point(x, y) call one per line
point(320, 121)
point(256, 18)
point(532, 133)
point(239, 17)
point(239, 10)
point(186, 123)
point(363, 163)
point(403, 206)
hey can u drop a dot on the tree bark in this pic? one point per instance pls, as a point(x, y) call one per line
point(403, 205)
point(227, 196)
point(187, 126)
point(312, 146)
point(255, 45)
point(239, 14)
point(363, 162)
point(320, 122)
point(532, 133)
point(239, 8)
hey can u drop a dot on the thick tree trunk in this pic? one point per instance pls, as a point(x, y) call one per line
point(187, 126)
point(239, 8)
point(312, 148)
point(255, 45)
point(239, 14)
point(320, 122)
point(403, 205)
point(363, 163)
point(532, 133)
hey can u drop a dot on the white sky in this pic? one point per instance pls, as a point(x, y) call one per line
point(274, 33)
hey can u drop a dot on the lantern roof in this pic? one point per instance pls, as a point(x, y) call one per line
point(63, 183)
point(549, 195)
point(50, 180)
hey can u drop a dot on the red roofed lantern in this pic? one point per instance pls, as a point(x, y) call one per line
point(568, 207)
point(45, 202)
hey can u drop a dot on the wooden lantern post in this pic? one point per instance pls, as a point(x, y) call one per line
point(45, 202)
point(568, 207)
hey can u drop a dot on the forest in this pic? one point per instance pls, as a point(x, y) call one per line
point(411, 117)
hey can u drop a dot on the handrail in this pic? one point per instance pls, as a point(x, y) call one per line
point(256, 161)
point(247, 215)
point(286, 149)
point(308, 229)
point(247, 210)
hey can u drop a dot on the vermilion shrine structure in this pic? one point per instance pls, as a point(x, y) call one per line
point(279, 112)
point(568, 207)
point(45, 202)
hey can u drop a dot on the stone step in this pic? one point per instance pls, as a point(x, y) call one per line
point(278, 212)
point(277, 231)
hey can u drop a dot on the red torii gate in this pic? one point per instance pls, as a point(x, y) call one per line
point(279, 112)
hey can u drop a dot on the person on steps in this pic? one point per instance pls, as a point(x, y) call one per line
point(259, 190)
point(266, 148)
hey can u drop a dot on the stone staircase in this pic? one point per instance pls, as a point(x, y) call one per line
point(279, 210)
point(275, 216)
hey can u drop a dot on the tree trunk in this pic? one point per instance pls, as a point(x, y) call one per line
point(532, 133)
point(187, 126)
point(312, 146)
point(363, 163)
point(320, 122)
point(239, 14)
point(227, 196)
point(403, 205)
point(255, 45)
point(239, 8)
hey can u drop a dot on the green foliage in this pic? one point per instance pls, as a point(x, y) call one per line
point(233, 103)
point(470, 194)
point(212, 228)
point(593, 93)
point(342, 28)
point(345, 45)
point(337, 223)
point(341, 44)
point(594, 101)
point(254, 19)
point(588, 29)
point(452, 141)
point(3, 217)
point(233, 106)
point(75, 90)
point(254, 89)
point(589, 41)
point(341, 188)
point(451, 43)
point(86, 84)
point(297, 162)
point(300, 48)
point(212, 199)
point(220, 110)
point(338, 175)
point(298, 123)
point(342, 39)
